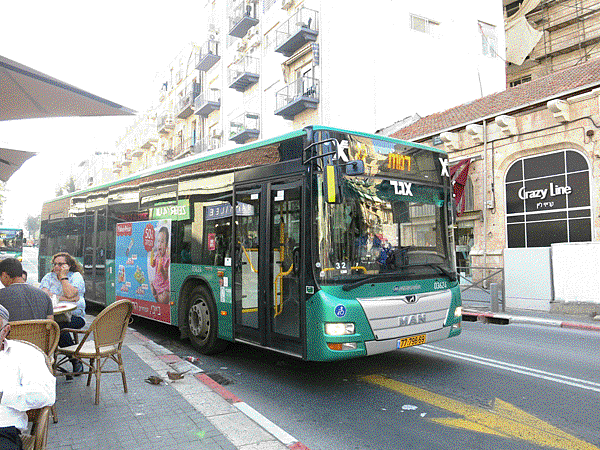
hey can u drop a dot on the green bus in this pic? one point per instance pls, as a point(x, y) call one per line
point(323, 244)
point(11, 243)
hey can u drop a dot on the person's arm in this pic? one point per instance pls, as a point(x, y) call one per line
point(45, 284)
point(72, 287)
point(37, 388)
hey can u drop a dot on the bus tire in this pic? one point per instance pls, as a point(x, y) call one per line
point(202, 322)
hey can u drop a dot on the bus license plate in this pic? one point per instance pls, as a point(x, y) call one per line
point(411, 340)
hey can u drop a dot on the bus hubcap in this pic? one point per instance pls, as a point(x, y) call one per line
point(199, 318)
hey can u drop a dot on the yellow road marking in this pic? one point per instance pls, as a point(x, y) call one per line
point(502, 420)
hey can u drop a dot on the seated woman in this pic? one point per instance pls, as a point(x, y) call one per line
point(66, 282)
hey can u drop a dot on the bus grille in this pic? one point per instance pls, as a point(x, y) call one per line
point(394, 317)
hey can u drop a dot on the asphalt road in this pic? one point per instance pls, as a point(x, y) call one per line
point(495, 386)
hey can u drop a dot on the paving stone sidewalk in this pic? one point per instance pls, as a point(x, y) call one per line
point(183, 414)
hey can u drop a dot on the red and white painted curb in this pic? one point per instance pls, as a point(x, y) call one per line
point(286, 439)
point(171, 359)
point(509, 318)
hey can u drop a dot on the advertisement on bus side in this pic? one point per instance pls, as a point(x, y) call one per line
point(143, 267)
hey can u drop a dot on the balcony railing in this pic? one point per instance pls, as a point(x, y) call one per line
point(208, 55)
point(296, 97)
point(182, 148)
point(298, 30)
point(186, 104)
point(137, 152)
point(242, 17)
point(207, 102)
point(243, 74)
point(207, 144)
point(244, 128)
point(165, 124)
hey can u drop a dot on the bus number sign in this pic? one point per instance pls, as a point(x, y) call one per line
point(399, 162)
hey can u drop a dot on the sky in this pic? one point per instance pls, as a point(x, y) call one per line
point(113, 49)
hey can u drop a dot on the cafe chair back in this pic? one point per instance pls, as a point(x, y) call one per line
point(37, 438)
point(44, 333)
point(100, 343)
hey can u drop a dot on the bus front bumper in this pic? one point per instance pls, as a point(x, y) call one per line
point(389, 345)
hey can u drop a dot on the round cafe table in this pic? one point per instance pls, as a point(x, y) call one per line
point(64, 307)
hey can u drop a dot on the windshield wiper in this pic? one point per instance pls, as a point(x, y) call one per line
point(442, 269)
point(380, 276)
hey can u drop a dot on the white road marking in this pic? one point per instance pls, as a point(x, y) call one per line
point(557, 378)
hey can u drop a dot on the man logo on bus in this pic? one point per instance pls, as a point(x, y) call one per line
point(340, 310)
point(410, 299)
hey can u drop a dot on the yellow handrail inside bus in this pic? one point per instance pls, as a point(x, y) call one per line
point(279, 293)
point(248, 258)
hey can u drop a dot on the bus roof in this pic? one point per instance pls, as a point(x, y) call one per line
point(229, 150)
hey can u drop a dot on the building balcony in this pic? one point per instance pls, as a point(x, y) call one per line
point(208, 55)
point(297, 31)
point(185, 108)
point(243, 74)
point(207, 102)
point(137, 152)
point(148, 137)
point(183, 148)
point(207, 144)
point(117, 168)
point(165, 124)
point(296, 97)
point(244, 128)
point(242, 17)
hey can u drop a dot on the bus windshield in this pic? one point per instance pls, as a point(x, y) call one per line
point(384, 230)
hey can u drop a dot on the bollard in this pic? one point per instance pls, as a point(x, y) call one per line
point(494, 290)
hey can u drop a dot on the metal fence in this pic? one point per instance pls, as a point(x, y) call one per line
point(482, 287)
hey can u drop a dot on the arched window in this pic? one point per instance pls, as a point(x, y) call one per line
point(548, 200)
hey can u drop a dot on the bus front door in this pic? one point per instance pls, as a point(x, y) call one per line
point(266, 295)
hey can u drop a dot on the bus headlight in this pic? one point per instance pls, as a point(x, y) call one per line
point(339, 329)
point(458, 311)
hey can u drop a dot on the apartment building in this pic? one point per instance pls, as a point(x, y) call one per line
point(545, 36)
point(261, 68)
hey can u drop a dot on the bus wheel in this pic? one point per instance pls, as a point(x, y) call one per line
point(202, 322)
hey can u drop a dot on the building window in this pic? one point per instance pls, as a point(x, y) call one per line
point(489, 40)
point(519, 81)
point(512, 8)
point(423, 25)
point(548, 200)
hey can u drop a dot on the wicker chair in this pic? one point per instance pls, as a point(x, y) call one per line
point(44, 333)
point(38, 417)
point(100, 342)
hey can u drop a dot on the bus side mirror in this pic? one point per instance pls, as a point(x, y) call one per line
point(332, 183)
point(356, 167)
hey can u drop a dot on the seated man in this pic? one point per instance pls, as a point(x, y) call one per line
point(25, 383)
point(23, 301)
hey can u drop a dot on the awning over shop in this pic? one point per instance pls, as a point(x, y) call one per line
point(459, 173)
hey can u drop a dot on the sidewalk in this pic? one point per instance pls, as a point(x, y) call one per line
point(192, 413)
point(543, 318)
